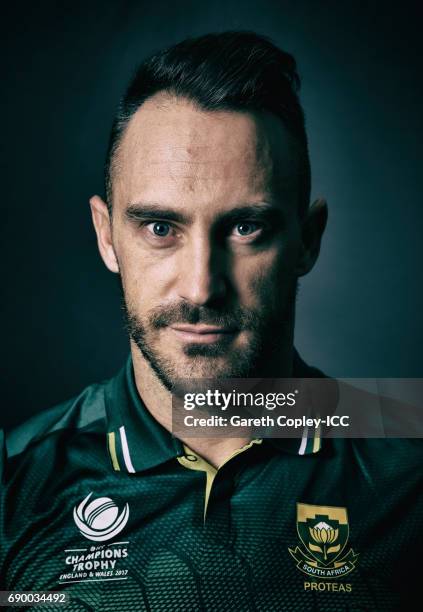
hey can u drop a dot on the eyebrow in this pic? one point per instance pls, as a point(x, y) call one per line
point(264, 211)
point(141, 211)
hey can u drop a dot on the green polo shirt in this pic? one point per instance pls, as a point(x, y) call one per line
point(100, 500)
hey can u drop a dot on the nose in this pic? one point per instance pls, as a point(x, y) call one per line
point(201, 273)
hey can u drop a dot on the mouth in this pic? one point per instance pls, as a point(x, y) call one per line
point(203, 334)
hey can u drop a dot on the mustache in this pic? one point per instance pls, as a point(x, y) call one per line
point(183, 312)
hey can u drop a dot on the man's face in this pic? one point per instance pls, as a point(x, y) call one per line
point(207, 238)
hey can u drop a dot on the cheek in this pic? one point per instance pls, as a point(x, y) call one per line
point(144, 273)
point(267, 277)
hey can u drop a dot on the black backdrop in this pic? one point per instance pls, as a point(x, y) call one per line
point(64, 66)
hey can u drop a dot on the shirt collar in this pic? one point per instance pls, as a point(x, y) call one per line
point(137, 442)
point(310, 441)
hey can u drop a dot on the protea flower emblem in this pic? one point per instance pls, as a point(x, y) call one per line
point(324, 534)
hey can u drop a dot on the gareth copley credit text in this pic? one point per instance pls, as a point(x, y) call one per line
point(267, 421)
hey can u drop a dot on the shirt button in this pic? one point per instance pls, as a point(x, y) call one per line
point(191, 457)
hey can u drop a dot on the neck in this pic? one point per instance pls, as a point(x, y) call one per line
point(158, 401)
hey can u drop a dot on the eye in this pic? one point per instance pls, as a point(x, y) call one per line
point(159, 228)
point(160, 234)
point(246, 228)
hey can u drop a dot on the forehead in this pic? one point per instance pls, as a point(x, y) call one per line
point(174, 151)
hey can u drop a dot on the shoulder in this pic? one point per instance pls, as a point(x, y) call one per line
point(43, 458)
point(83, 413)
point(384, 460)
point(388, 449)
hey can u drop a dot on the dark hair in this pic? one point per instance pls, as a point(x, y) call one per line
point(230, 70)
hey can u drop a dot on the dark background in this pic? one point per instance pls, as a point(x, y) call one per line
point(64, 67)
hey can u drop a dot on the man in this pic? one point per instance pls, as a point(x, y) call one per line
point(207, 224)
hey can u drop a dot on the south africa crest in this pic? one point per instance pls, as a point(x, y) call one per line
point(324, 533)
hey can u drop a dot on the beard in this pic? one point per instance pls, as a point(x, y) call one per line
point(267, 329)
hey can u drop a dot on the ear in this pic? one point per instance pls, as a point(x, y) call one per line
point(312, 229)
point(103, 229)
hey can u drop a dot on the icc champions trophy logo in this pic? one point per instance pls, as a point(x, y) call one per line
point(100, 520)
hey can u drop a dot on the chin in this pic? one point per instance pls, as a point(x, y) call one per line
point(205, 367)
point(235, 363)
point(172, 362)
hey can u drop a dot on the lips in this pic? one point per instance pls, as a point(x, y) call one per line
point(202, 333)
point(203, 329)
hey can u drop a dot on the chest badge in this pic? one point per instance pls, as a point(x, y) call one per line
point(323, 532)
point(99, 519)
